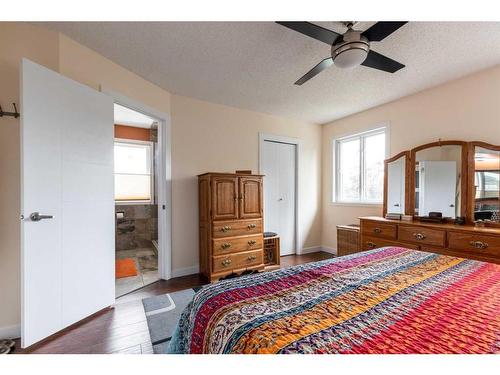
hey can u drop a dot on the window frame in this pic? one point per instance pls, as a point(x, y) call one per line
point(151, 171)
point(335, 198)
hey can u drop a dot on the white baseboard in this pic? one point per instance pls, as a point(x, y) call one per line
point(330, 250)
point(178, 272)
point(308, 250)
point(10, 332)
point(315, 249)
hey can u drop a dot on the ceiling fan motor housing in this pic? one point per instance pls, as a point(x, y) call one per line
point(351, 51)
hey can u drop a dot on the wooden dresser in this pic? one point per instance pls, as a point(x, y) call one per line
point(465, 241)
point(231, 225)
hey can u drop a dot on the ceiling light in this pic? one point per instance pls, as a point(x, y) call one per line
point(350, 55)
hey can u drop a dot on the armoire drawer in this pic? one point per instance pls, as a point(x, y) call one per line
point(231, 245)
point(381, 230)
point(471, 243)
point(223, 229)
point(238, 260)
point(418, 234)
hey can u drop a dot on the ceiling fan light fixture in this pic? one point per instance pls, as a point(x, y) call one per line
point(350, 55)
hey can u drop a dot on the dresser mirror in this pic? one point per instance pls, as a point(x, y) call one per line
point(485, 192)
point(438, 179)
point(396, 182)
point(431, 178)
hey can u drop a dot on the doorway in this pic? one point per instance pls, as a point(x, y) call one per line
point(278, 162)
point(136, 159)
point(67, 217)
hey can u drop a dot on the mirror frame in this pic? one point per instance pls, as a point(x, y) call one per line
point(470, 177)
point(407, 180)
point(464, 173)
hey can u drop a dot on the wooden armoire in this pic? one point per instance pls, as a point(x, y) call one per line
point(231, 227)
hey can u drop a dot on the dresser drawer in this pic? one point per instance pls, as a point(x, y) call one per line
point(427, 236)
point(370, 243)
point(476, 244)
point(231, 245)
point(238, 260)
point(223, 229)
point(381, 230)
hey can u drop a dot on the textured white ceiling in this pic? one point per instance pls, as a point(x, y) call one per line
point(253, 65)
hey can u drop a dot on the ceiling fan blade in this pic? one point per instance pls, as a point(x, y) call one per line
point(313, 31)
point(377, 61)
point(382, 30)
point(326, 63)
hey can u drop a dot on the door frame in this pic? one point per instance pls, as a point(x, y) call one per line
point(298, 143)
point(164, 178)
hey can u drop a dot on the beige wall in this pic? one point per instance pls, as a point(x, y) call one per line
point(205, 137)
point(214, 138)
point(17, 40)
point(464, 109)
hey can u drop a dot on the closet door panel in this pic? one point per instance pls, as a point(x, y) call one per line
point(286, 199)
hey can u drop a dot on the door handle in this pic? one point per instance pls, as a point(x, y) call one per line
point(35, 216)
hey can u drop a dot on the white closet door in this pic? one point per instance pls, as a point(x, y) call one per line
point(278, 166)
point(67, 255)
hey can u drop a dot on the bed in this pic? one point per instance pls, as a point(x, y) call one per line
point(388, 300)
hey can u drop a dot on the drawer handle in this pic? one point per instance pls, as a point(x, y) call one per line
point(225, 228)
point(252, 242)
point(226, 262)
point(478, 244)
point(419, 236)
point(251, 258)
point(225, 245)
point(371, 245)
point(251, 226)
point(377, 230)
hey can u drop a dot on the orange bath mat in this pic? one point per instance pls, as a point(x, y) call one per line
point(125, 268)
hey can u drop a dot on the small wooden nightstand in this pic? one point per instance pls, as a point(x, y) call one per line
point(271, 253)
point(347, 239)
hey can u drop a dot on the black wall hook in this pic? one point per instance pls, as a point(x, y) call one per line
point(14, 114)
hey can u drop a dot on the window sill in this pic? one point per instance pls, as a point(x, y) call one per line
point(134, 203)
point(357, 204)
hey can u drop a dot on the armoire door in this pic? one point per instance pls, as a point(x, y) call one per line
point(224, 198)
point(250, 197)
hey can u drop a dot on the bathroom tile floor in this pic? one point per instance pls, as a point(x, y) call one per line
point(146, 262)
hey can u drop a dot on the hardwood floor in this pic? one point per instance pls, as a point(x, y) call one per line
point(123, 328)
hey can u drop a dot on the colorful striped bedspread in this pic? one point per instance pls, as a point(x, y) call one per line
point(389, 300)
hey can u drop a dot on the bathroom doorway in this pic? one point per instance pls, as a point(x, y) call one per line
point(137, 162)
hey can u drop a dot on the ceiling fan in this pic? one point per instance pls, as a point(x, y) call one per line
point(351, 48)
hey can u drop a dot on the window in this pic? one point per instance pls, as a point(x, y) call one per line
point(359, 167)
point(133, 171)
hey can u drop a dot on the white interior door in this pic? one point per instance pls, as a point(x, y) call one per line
point(278, 166)
point(67, 173)
point(438, 180)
